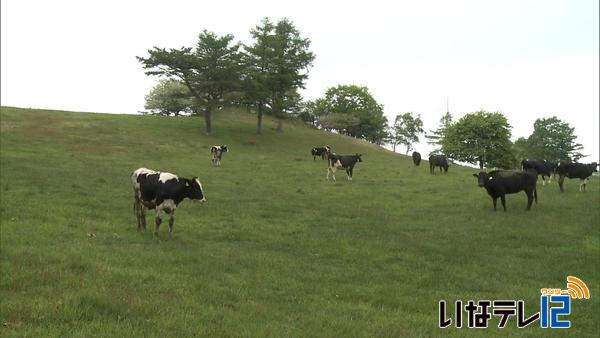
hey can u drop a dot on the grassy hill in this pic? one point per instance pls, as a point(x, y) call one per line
point(276, 250)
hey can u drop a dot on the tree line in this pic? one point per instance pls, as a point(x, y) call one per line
point(266, 75)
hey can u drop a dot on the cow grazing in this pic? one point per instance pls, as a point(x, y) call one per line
point(575, 170)
point(347, 162)
point(321, 151)
point(498, 183)
point(438, 161)
point(416, 158)
point(161, 191)
point(543, 168)
point(216, 152)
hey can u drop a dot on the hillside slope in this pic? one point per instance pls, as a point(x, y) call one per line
point(276, 250)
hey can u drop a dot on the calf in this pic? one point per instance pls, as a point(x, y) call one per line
point(438, 161)
point(215, 154)
point(542, 167)
point(342, 161)
point(321, 151)
point(163, 192)
point(416, 158)
point(575, 170)
point(498, 183)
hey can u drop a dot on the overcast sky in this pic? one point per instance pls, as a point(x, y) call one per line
point(526, 59)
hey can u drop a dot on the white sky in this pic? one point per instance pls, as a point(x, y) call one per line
point(527, 59)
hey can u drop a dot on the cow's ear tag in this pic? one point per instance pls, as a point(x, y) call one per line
point(490, 178)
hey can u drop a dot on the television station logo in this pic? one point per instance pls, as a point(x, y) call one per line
point(555, 307)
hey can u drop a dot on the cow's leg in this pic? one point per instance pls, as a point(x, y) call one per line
point(136, 210)
point(561, 180)
point(503, 200)
point(171, 221)
point(529, 194)
point(351, 173)
point(494, 200)
point(158, 220)
point(333, 169)
point(328, 170)
point(431, 169)
point(138, 215)
point(543, 181)
point(143, 216)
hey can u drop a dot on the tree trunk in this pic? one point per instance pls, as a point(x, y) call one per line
point(259, 119)
point(279, 124)
point(208, 120)
point(480, 163)
point(394, 146)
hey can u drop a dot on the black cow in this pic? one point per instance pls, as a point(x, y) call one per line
point(163, 192)
point(542, 167)
point(321, 151)
point(216, 152)
point(575, 170)
point(498, 183)
point(347, 162)
point(416, 158)
point(438, 161)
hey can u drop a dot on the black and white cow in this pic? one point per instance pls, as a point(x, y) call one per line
point(161, 191)
point(216, 152)
point(575, 170)
point(416, 158)
point(438, 161)
point(347, 162)
point(320, 151)
point(542, 167)
point(498, 183)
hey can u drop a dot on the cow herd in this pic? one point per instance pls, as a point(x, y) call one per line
point(162, 191)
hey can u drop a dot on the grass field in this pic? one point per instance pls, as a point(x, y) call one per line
point(276, 250)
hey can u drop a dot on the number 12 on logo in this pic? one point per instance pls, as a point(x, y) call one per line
point(549, 314)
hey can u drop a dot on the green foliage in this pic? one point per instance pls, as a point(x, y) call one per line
point(435, 137)
point(276, 251)
point(553, 140)
point(211, 71)
point(520, 149)
point(339, 122)
point(277, 66)
point(306, 113)
point(406, 130)
point(355, 101)
point(480, 137)
point(169, 97)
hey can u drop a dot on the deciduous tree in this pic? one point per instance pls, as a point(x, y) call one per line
point(169, 97)
point(406, 130)
point(357, 102)
point(553, 140)
point(480, 137)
